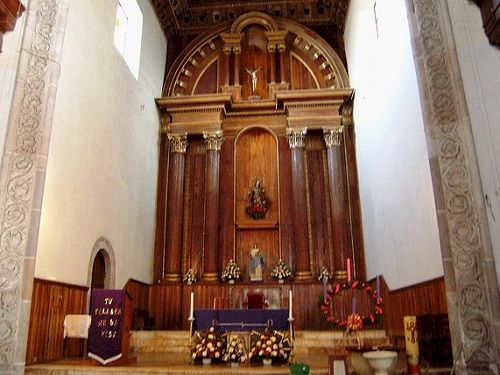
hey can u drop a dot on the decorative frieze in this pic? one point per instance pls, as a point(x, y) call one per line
point(333, 137)
point(213, 140)
point(296, 137)
point(178, 143)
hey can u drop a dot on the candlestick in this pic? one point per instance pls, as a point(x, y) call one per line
point(348, 266)
point(191, 307)
point(354, 305)
point(290, 315)
point(378, 287)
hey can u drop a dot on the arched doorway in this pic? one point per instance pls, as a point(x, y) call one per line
point(98, 271)
point(101, 268)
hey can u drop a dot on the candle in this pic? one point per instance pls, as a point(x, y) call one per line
point(348, 266)
point(378, 287)
point(191, 307)
point(354, 305)
point(290, 315)
point(325, 281)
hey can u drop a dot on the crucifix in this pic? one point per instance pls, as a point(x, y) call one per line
point(253, 75)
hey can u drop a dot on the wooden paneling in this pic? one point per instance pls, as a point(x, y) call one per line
point(139, 293)
point(208, 82)
point(226, 202)
point(161, 205)
point(427, 298)
point(165, 306)
point(301, 77)
point(50, 303)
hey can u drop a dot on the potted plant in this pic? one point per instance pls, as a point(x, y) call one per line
point(281, 271)
point(231, 273)
point(208, 345)
point(270, 347)
point(235, 351)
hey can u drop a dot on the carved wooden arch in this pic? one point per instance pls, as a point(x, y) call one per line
point(253, 18)
point(317, 56)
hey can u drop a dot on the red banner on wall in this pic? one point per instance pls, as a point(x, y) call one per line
point(105, 333)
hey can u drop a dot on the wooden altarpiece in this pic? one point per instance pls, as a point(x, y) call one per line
point(265, 100)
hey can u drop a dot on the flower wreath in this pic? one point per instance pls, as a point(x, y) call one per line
point(376, 303)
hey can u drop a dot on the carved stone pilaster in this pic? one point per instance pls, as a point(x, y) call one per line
point(471, 284)
point(178, 143)
point(333, 137)
point(214, 140)
point(296, 137)
point(22, 175)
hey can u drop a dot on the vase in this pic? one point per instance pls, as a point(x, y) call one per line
point(231, 281)
point(267, 361)
point(206, 361)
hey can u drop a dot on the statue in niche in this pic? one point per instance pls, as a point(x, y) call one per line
point(259, 202)
point(253, 74)
point(256, 264)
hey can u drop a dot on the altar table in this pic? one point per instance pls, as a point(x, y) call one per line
point(241, 320)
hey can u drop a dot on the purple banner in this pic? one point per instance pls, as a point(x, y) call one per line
point(105, 332)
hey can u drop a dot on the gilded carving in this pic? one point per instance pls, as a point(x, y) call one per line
point(214, 140)
point(178, 143)
point(333, 137)
point(296, 137)
point(475, 323)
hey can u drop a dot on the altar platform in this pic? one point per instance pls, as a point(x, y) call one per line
point(165, 352)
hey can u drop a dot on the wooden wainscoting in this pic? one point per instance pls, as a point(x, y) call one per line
point(428, 298)
point(50, 303)
point(139, 294)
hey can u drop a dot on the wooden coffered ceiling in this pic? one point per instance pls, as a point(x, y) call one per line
point(188, 17)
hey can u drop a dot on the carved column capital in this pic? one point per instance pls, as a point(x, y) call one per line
point(276, 39)
point(213, 140)
point(232, 42)
point(178, 143)
point(296, 137)
point(333, 137)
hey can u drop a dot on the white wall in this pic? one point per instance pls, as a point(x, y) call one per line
point(480, 70)
point(398, 211)
point(103, 158)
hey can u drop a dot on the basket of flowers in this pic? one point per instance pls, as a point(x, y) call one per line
point(235, 351)
point(231, 273)
point(269, 347)
point(208, 345)
point(281, 271)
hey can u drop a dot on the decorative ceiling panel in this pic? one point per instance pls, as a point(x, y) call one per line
point(195, 16)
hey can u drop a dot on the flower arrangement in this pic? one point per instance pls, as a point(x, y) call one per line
point(189, 278)
point(270, 345)
point(281, 271)
point(231, 272)
point(209, 344)
point(354, 322)
point(357, 320)
point(235, 351)
point(323, 273)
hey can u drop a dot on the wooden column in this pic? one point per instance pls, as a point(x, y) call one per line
point(173, 246)
point(272, 55)
point(296, 140)
point(341, 222)
point(211, 255)
point(226, 67)
point(237, 54)
point(281, 50)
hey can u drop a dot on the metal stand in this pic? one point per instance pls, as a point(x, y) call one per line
point(292, 338)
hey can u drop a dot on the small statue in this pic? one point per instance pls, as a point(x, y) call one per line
point(256, 264)
point(253, 75)
point(259, 203)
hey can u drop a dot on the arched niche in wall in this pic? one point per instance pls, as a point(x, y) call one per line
point(256, 161)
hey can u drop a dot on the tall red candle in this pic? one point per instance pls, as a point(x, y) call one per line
point(348, 266)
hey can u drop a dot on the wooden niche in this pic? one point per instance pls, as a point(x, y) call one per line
point(256, 159)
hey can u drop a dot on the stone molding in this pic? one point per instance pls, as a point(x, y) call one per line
point(22, 175)
point(470, 280)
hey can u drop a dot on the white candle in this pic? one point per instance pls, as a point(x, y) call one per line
point(191, 307)
point(290, 315)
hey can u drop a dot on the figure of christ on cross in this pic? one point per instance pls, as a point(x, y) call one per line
point(253, 75)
